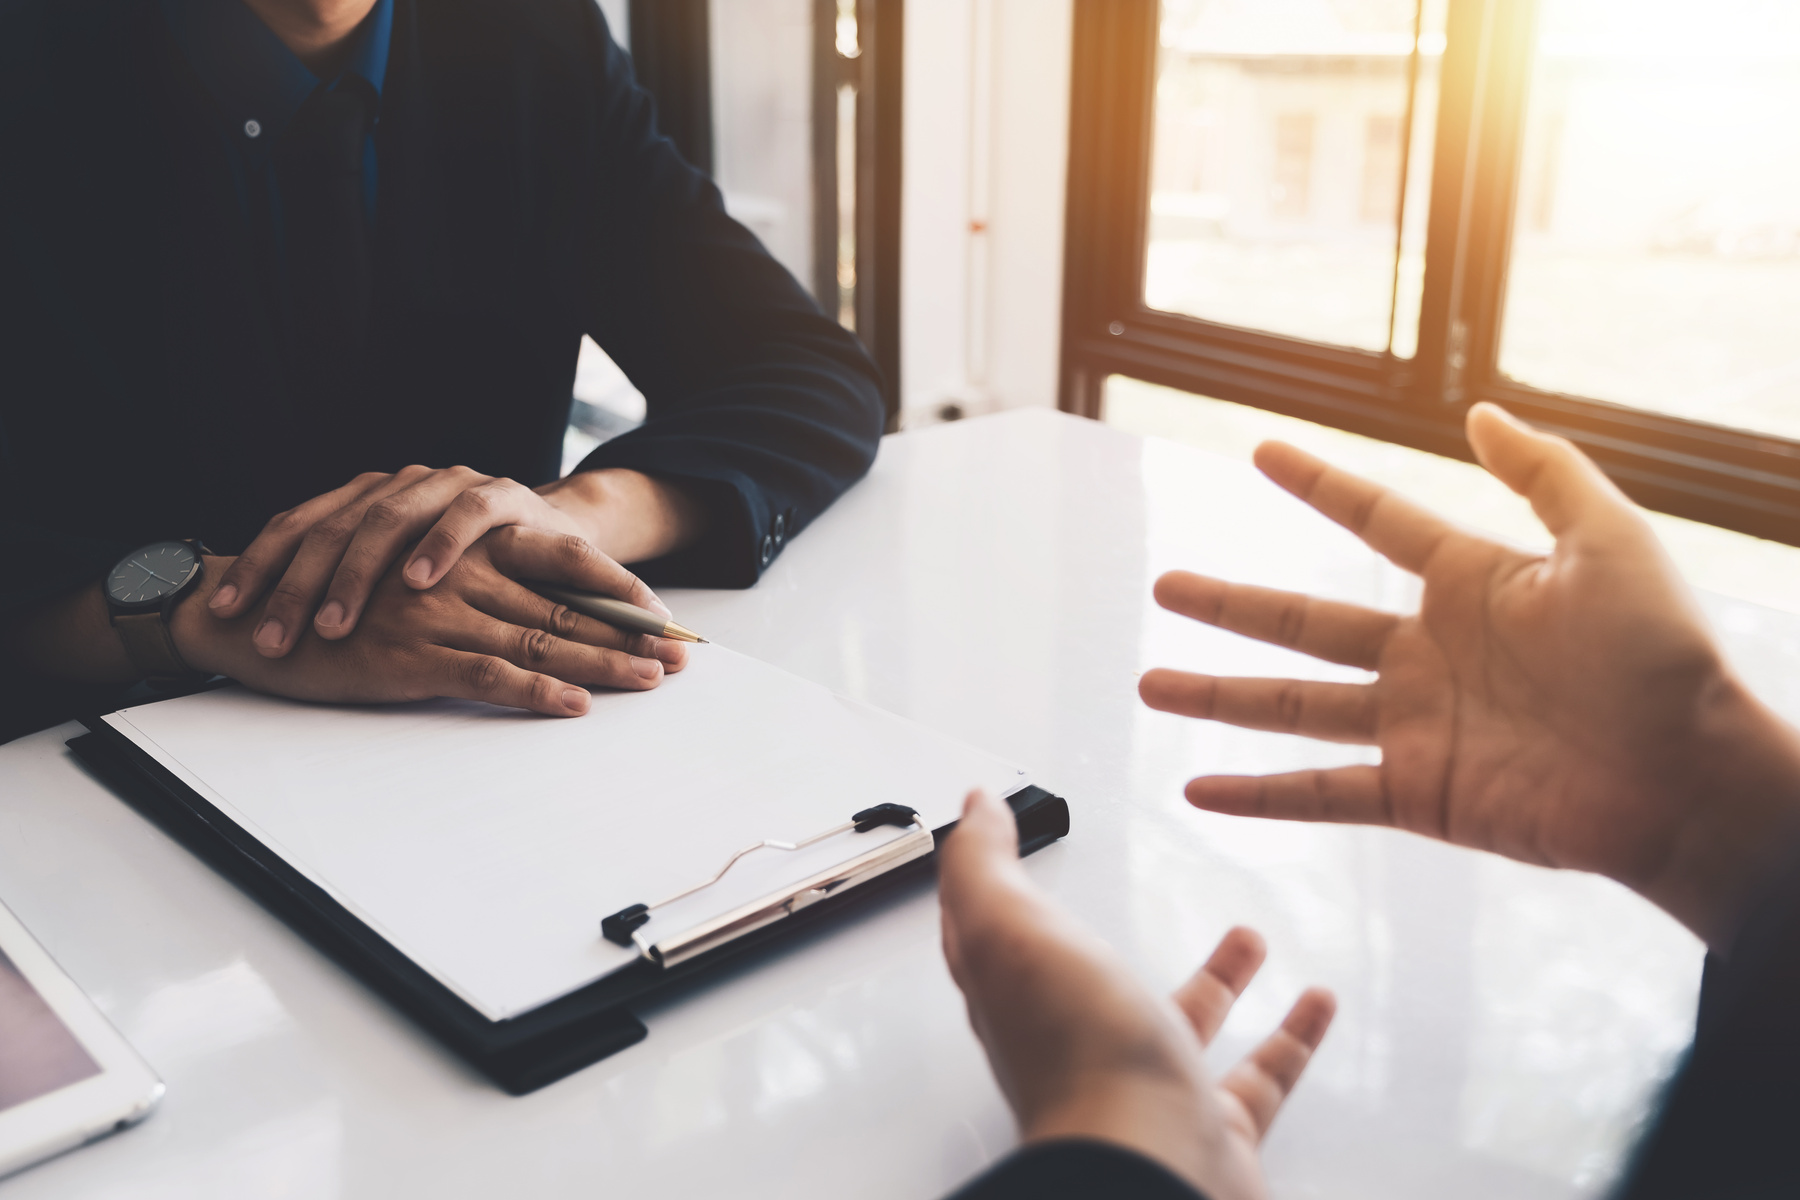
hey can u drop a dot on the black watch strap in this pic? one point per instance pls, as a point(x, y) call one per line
point(151, 647)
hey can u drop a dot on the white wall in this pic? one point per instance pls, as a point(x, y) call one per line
point(987, 124)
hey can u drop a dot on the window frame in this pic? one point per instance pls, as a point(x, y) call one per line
point(1738, 480)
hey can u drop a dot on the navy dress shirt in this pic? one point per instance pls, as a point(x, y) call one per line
point(258, 84)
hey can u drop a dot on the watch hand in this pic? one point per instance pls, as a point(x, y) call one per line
point(152, 574)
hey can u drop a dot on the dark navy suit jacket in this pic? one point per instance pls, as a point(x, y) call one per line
point(525, 198)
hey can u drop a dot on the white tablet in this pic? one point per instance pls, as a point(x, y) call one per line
point(66, 1076)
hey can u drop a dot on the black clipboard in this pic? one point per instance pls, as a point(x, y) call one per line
point(522, 1053)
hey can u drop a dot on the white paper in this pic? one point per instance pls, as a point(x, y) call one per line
point(486, 844)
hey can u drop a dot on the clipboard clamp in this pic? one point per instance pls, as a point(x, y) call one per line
point(624, 927)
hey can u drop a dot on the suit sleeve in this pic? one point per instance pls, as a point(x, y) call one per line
point(1726, 1129)
point(757, 402)
point(1077, 1170)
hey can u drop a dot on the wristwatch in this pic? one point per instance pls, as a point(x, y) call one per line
point(141, 592)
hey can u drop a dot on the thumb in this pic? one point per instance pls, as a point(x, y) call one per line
point(1564, 486)
point(979, 859)
point(980, 851)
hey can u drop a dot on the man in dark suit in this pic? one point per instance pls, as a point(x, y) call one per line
point(1571, 710)
point(306, 279)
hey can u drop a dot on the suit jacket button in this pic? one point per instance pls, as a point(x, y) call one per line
point(768, 549)
point(780, 528)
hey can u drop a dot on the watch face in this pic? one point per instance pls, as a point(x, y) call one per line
point(144, 578)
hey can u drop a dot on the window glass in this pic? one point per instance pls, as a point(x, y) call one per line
point(1280, 162)
point(762, 72)
point(1656, 244)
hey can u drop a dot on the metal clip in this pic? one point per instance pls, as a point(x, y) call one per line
point(625, 927)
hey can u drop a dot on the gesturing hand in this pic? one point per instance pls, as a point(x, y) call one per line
point(1568, 709)
point(477, 634)
point(1081, 1049)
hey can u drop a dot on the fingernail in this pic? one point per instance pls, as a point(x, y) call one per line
point(649, 668)
point(659, 608)
point(269, 634)
point(419, 570)
point(575, 699)
point(667, 649)
point(224, 596)
point(332, 615)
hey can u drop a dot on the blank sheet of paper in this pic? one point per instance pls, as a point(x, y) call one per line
point(486, 844)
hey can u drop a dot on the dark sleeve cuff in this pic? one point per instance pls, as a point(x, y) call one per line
point(1727, 1121)
point(1078, 1170)
point(748, 523)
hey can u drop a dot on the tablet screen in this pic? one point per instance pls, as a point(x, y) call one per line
point(38, 1054)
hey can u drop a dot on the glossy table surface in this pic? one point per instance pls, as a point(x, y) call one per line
point(1502, 1028)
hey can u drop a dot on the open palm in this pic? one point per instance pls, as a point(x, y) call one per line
point(1569, 709)
point(1082, 1049)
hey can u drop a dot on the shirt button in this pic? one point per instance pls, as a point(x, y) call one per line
point(252, 128)
point(768, 550)
point(780, 527)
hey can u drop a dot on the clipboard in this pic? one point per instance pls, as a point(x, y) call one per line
point(529, 1050)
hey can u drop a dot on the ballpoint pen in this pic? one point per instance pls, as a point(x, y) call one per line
point(616, 613)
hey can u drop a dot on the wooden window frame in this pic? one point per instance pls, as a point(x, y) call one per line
point(1726, 477)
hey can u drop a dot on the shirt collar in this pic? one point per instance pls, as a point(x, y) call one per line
point(253, 75)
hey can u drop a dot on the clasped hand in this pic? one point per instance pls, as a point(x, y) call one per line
point(476, 634)
point(422, 567)
point(321, 561)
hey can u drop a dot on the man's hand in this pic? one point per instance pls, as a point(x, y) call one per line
point(1571, 710)
point(320, 562)
point(477, 635)
point(1081, 1049)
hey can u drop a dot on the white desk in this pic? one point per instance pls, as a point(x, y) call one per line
point(1500, 1031)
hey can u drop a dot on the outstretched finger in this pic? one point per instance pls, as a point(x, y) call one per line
point(1267, 1075)
point(270, 552)
point(1332, 712)
point(1207, 997)
point(1339, 633)
point(1354, 795)
point(526, 554)
point(1397, 529)
point(492, 504)
point(1562, 484)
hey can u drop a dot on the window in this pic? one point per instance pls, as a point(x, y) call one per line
point(1657, 261)
point(1372, 213)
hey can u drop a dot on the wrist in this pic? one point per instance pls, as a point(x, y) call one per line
point(628, 515)
point(201, 638)
point(1745, 817)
